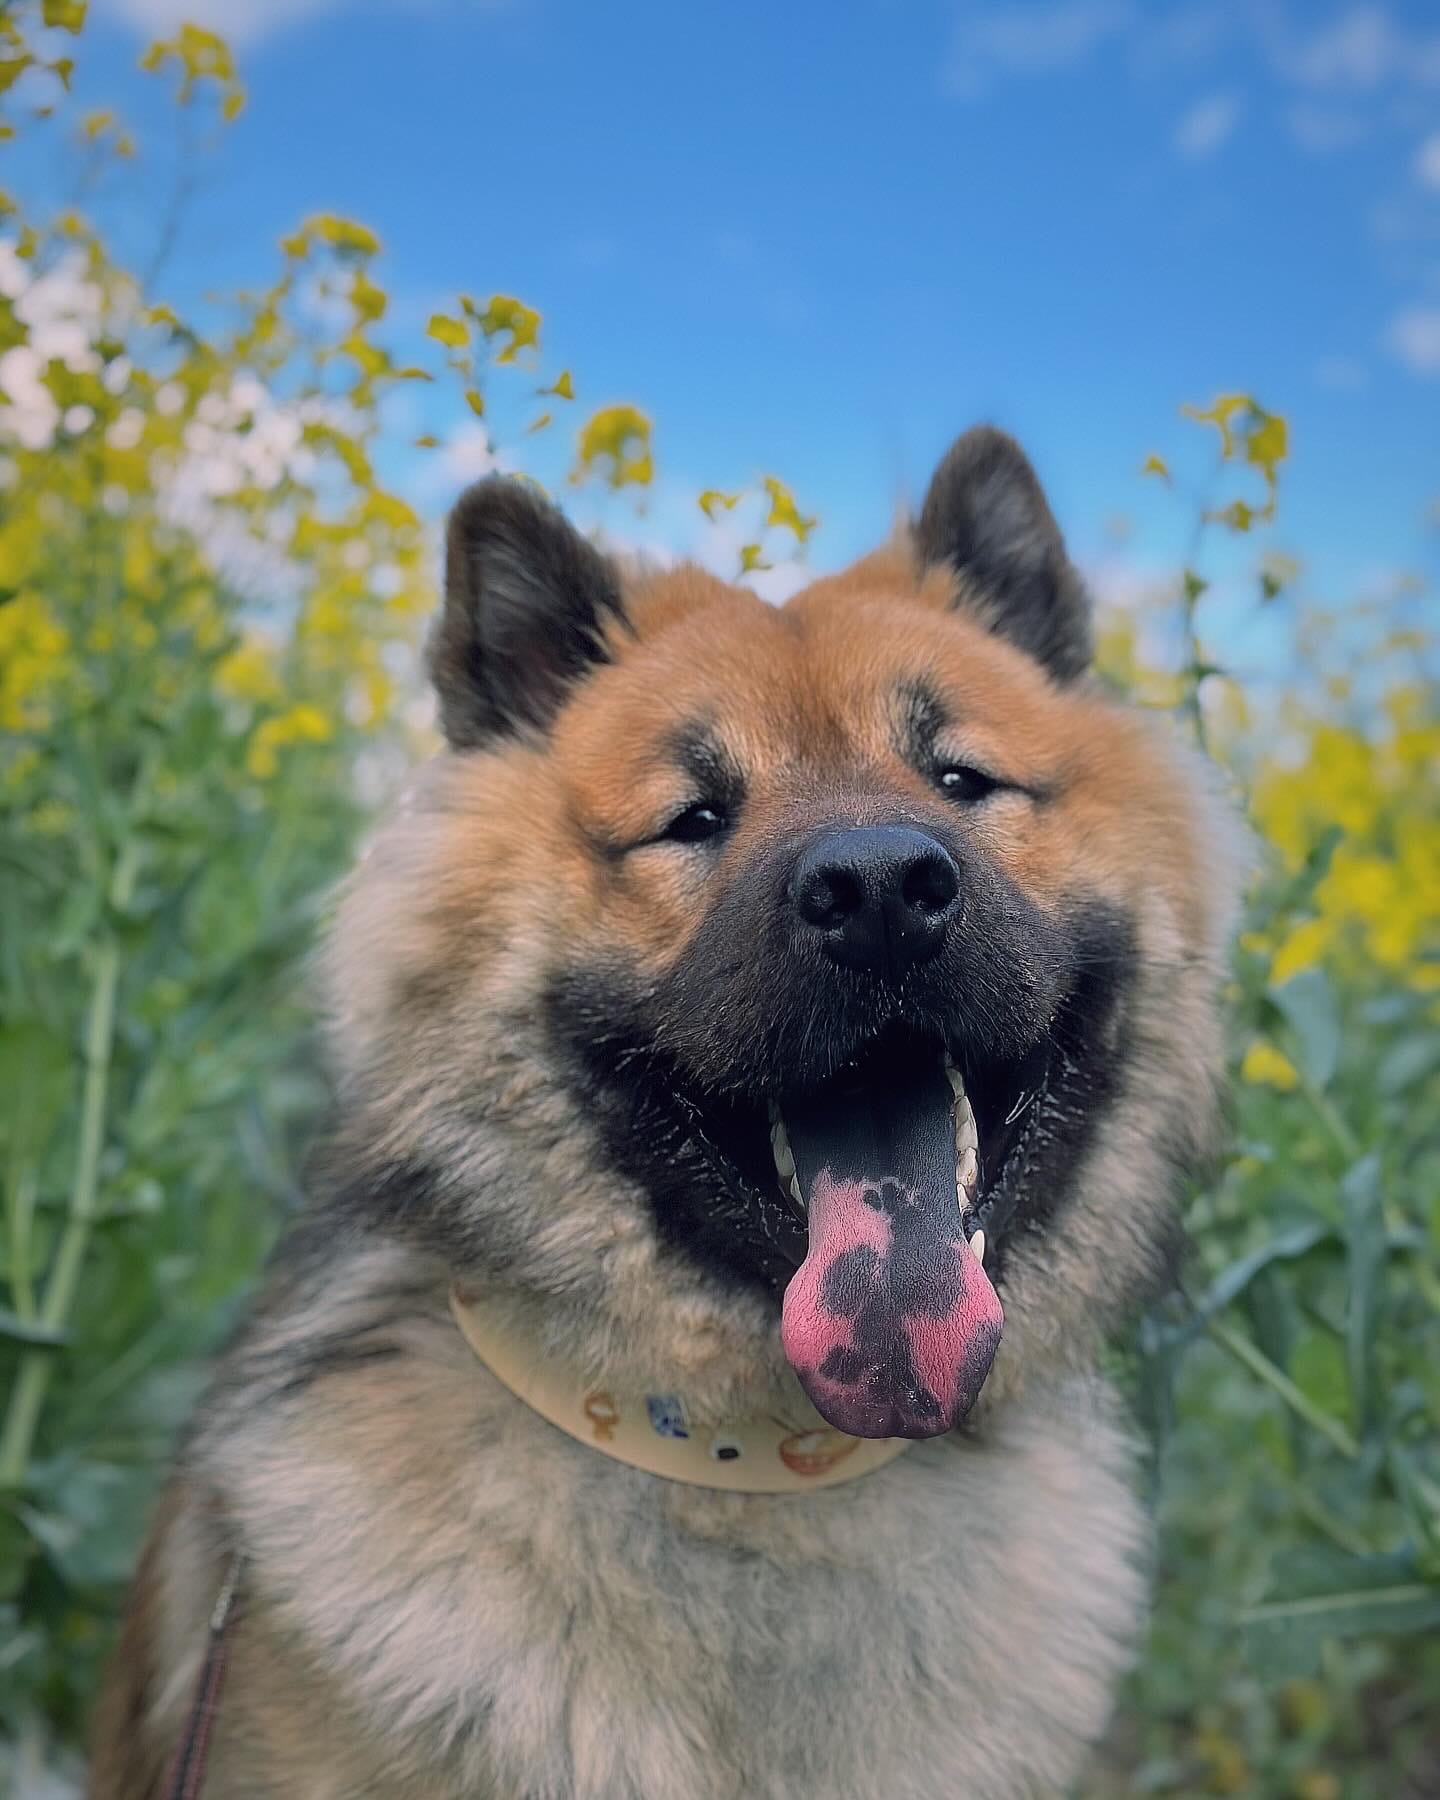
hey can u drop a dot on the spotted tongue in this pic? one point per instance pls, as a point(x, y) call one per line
point(890, 1322)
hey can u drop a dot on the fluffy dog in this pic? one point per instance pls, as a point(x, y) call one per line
point(749, 1015)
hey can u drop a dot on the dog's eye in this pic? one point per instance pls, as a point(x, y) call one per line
point(695, 825)
point(965, 784)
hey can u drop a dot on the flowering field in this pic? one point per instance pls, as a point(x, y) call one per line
point(209, 605)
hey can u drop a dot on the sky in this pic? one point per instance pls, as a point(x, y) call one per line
point(819, 238)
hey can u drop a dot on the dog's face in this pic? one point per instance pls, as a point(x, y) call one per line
point(848, 965)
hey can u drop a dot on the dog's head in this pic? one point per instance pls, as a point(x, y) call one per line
point(846, 967)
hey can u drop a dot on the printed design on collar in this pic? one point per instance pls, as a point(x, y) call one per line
point(762, 1455)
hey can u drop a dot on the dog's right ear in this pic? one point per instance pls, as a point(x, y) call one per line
point(527, 605)
point(987, 517)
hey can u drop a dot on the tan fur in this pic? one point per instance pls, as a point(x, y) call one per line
point(444, 1596)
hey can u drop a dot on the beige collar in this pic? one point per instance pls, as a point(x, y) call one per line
point(748, 1456)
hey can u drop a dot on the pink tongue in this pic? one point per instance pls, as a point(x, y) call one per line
point(890, 1322)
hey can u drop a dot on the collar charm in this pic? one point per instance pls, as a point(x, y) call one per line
point(748, 1456)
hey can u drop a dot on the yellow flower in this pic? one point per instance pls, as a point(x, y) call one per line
point(248, 673)
point(506, 316)
point(1306, 945)
point(303, 723)
point(617, 436)
point(1219, 414)
point(784, 512)
point(34, 660)
point(306, 723)
point(1265, 1066)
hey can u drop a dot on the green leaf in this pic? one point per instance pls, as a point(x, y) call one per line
point(1407, 1063)
point(1269, 1303)
point(1326, 1593)
point(88, 1519)
point(38, 1071)
point(29, 1331)
point(1160, 1350)
point(1284, 1246)
point(1308, 1005)
point(1420, 1499)
point(1363, 1612)
point(1365, 1266)
point(16, 1550)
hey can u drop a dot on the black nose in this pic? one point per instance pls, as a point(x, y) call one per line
point(880, 896)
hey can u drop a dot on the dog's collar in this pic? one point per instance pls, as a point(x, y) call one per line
point(654, 1433)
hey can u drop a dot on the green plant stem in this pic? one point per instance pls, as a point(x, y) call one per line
point(1275, 1378)
point(1345, 1139)
point(20, 1215)
point(1189, 601)
point(27, 1399)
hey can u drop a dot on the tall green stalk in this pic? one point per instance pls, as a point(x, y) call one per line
point(37, 1365)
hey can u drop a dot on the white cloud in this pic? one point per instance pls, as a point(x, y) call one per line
point(464, 456)
point(1207, 125)
point(1342, 374)
point(782, 579)
point(1321, 129)
point(1360, 51)
point(242, 21)
point(1180, 37)
point(1414, 336)
point(1427, 161)
point(1030, 40)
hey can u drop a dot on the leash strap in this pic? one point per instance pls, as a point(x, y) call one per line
point(187, 1774)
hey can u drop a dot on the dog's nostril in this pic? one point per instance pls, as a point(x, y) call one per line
point(830, 897)
point(931, 885)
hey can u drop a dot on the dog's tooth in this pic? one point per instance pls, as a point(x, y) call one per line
point(952, 1075)
point(969, 1171)
point(966, 1136)
point(795, 1193)
point(781, 1151)
point(977, 1244)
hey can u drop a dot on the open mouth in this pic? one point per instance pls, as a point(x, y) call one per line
point(853, 1092)
point(891, 1175)
point(891, 1322)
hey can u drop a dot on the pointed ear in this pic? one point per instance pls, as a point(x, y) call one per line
point(986, 516)
point(527, 605)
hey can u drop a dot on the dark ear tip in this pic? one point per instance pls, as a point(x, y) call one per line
point(496, 507)
point(979, 455)
point(986, 515)
point(986, 439)
point(983, 466)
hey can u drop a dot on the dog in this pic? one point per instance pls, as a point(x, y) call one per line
point(767, 1042)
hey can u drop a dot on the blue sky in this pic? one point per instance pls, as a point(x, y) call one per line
point(818, 239)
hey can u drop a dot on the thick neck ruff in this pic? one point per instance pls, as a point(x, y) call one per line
point(747, 1456)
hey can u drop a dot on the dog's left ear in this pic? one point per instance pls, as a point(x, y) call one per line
point(528, 605)
point(987, 517)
